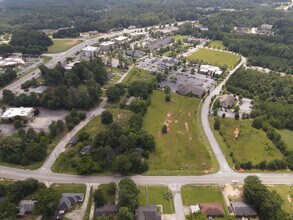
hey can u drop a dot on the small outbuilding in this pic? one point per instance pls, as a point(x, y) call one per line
point(73, 140)
point(85, 150)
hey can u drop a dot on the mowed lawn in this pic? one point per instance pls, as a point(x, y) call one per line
point(61, 45)
point(192, 194)
point(138, 75)
point(217, 44)
point(287, 137)
point(179, 37)
point(154, 195)
point(214, 57)
point(251, 145)
point(181, 150)
point(69, 188)
point(286, 195)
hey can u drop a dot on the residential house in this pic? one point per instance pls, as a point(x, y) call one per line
point(106, 210)
point(66, 201)
point(73, 140)
point(242, 209)
point(147, 212)
point(227, 101)
point(213, 210)
point(26, 207)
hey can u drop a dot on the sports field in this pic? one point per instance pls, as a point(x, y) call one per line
point(61, 45)
point(182, 149)
point(214, 57)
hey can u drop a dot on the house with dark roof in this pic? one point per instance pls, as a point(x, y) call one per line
point(26, 207)
point(227, 101)
point(214, 210)
point(191, 90)
point(147, 212)
point(73, 140)
point(85, 150)
point(242, 209)
point(66, 201)
point(106, 210)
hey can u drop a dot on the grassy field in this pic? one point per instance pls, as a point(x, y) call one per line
point(155, 195)
point(61, 45)
point(64, 161)
point(181, 150)
point(179, 37)
point(217, 44)
point(287, 136)
point(215, 57)
point(108, 197)
point(287, 196)
point(137, 74)
point(251, 145)
point(69, 188)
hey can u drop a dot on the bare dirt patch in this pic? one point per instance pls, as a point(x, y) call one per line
point(236, 133)
point(232, 193)
point(168, 121)
point(186, 126)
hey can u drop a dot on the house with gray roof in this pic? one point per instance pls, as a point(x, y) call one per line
point(85, 150)
point(73, 140)
point(66, 201)
point(106, 210)
point(242, 209)
point(26, 207)
point(147, 212)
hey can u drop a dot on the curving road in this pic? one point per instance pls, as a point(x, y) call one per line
point(224, 175)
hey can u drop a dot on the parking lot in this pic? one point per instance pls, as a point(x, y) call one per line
point(186, 77)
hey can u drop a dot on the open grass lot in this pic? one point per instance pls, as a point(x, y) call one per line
point(155, 195)
point(61, 45)
point(64, 161)
point(138, 75)
point(108, 197)
point(251, 145)
point(287, 196)
point(179, 37)
point(181, 150)
point(287, 137)
point(214, 57)
point(217, 44)
point(69, 188)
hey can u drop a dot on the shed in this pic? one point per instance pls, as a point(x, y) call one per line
point(194, 208)
point(73, 140)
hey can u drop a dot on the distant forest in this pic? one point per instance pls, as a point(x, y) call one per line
point(103, 15)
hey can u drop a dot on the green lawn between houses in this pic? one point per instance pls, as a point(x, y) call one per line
point(179, 37)
point(251, 145)
point(182, 150)
point(217, 44)
point(214, 57)
point(155, 195)
point(61, 45)
point(138, 75)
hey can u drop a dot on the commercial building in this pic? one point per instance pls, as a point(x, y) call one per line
point(23, 113)
point(89, 51)
point(157, 44)
point(210, 70)
point(120, 39)
point(10, 62)
point(226, 101)
point(107, 45)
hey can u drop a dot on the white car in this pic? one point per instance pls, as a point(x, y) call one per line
point(235, 181)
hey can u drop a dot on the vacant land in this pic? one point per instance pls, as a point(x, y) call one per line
point(286, 192)
point(69, 188)
point(181, 150)
point(179, 37)
point(138, 75)
point(217, 44)
point(62, 45)
point(63, 164)
point(107, 196)
point(214, 57)
point(155, 195)
point(192, 194)
point(250, 145)
point(287, 137)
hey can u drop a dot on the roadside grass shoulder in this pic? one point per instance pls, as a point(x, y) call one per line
point(61, 45)
point(155, 195)
point(251, 145)
point(69, 188)
point(214, 57)
point(89, 205)
point(182, 150)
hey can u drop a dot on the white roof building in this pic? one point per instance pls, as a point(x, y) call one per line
point(208, 69)
point(120, 39)
point(25, 113)
point(194, 208)
point(89, 51)
point(107, 45)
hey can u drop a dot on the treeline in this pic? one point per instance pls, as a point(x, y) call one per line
point(104, 15)
point(67, 32)
point(75, 88)
point(272, 95)
point(30, 42)
point(6, 77)
point(25, 148)
point(268, 204)
point(13, 193)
